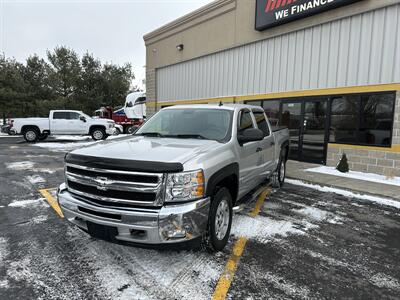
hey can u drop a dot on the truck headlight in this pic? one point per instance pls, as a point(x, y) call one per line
point(185, 186)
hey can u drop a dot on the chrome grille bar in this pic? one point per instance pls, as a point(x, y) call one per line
point(115, 186)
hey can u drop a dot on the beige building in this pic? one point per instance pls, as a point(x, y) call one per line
point(329, 70)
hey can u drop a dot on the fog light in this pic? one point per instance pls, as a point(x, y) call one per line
point(177, 233)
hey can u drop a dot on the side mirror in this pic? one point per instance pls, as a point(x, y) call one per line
point(250, 135)
point(82, 118)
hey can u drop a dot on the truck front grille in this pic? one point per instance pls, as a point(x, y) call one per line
point(115, 188)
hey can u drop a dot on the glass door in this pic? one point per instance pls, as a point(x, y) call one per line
point(307, 123)
point(314, 136)
point(291, 117)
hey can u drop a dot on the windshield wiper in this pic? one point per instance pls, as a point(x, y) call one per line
point(189, 136)
point(154, 134)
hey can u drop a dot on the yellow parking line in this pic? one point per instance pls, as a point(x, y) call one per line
point(260, 201)
point(226, 277)
point(52, 201)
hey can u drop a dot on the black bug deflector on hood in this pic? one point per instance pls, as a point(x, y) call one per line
point(123, 164)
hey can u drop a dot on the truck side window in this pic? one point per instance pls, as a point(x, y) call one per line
point(60, 115)
point(245, 121)
point(73, 115)
point(261, 122)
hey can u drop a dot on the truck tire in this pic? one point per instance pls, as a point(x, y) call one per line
point(98, 134)
point(129, 129)
point(31, 135)
point(220, 219)
point(278, 177)
point(282, 171)
point(42, 136)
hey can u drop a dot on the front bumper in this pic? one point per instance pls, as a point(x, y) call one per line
point(168, 224)
point(109, 130)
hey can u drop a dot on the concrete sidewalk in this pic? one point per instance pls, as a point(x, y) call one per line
point(296, 170)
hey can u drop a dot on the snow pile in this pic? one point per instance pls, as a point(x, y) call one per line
point(357, 175)
point(375, 199)
point(20, 165)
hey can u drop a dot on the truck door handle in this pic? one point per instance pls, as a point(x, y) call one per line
point(259, 149)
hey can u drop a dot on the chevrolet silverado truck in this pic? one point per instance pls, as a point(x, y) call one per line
point(62, 122)
point(177, 178)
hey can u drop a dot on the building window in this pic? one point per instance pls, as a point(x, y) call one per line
point(271, 109)
point(255, 103)
point(344, 116)
point(365, 119)
point(261, 122)
point(376, 119)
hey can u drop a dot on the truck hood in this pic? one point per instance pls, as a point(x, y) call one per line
point(149, 149)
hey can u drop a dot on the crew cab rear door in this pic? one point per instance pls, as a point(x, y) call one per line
point(249, 155)
point(267, 145)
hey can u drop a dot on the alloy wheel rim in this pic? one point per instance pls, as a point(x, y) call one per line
point(30, 135)
point(98, 135)
point(222, 219)
point(282, 172)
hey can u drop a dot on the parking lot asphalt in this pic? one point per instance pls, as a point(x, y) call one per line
point(303, 244)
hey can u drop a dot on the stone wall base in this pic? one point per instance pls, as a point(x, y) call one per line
point(364, 160)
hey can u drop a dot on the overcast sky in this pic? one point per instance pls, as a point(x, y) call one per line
point(111, 30)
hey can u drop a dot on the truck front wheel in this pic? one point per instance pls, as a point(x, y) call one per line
point(220, 219)
point(31, 135)
point(98, 134)
point(278, 177)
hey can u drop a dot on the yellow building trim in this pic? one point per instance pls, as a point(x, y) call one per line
point(394, 148)
point(325, 92)
point(303, 93)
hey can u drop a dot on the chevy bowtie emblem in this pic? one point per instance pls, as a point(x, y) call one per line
point(103, 183)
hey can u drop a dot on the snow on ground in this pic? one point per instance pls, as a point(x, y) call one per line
point(63, 146)
point(264, 229)
point(2, 135)
point(72, 137)
point(27, 203)
point(34, 179)
point(357, 175)
point(3, 249)
point(20, 165)
point(73, 142)
point(385, 281)
point(375, 199)
point(135, 273)
point(3, 254)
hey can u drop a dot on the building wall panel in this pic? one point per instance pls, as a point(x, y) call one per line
point(362, 49)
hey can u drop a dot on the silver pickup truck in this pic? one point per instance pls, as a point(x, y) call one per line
point(177, 178)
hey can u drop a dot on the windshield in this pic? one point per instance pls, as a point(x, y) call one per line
point(211, 124)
